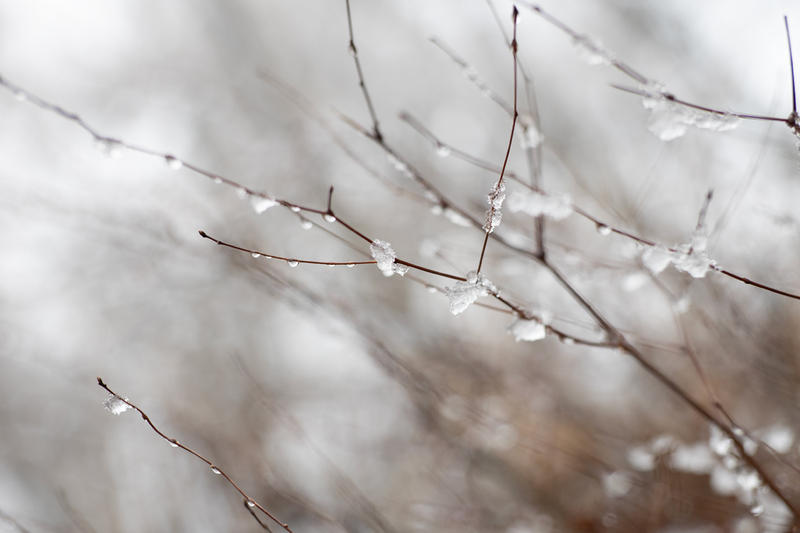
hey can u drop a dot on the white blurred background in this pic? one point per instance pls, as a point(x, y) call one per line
point(342, 400)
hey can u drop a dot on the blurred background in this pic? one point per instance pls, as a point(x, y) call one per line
point(342, 400)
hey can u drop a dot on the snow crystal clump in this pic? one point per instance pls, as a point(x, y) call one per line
point(592, 51)
point(555, 206)
point(527, 329)
point(495, 197)
point(669, 120)
point(383, 253)
point(116, 405)
point(262, 203)
point(465, 292)
point(690, 257)
point(531, 136)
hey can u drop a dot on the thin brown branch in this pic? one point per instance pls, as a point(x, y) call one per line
point(250, 502)
point(354, 53)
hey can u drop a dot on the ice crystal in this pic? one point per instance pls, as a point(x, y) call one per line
point(690, 257)
point(592, 51)
point(116, 405)
point(261, 203)
point(555, 206)
point(385, 256)
point(669, 120)
point(495, 197)
point(463, 293)
point(527, 329)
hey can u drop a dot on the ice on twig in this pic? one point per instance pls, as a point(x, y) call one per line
point(531, 136)
point(261, 203)
point(690, 257)
point(400, 166)
point(463, 293)
point(109, 147)
point(669, 119)
point(456, 218)
point(383, 253)
point(116, 405)
point(495, 197)
point(527, 329)
point(592, 51)
point(534, 203)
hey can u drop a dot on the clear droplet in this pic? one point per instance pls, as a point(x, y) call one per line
point(173, 443)
point(350, 265)
point(173, 162)
point(217, 180)
point(306, 224)
point(292, 263)
point(431, 289)
point(568, 340)
point(215, 470)
point(757, 509)
point(352, 50)
point(20, 95)
point(255, 255)
point(329, 218)
point(331, 265)
point(295, 209)
point(603, 230)
point(251, 503)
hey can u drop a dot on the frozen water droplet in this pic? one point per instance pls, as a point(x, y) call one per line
point(603, 230)
point(352, 50)
point(442, 150)
point(350, 265)
point(306, 224)
point(255, 255)
point(592, 51)
point(110, 147)
point(292, 263)
point(295, 209)
point(251, 503)
point(568, 340)
point(329, 218)
point(757, 509)
point(217, 180)
point(215, 470)
point(241, 193)
point(431, 289)
point(173, 443)
point(173, 162)
point(436, 210)
point(262, 203)
point(331, 265)
point(20, 95)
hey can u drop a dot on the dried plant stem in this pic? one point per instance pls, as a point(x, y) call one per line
point(250, 502)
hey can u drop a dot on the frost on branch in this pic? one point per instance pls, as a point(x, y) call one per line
point(669, 120)
point(690, 257)
point(592, 50)
point(525, 329)
point(383, 253)
point(116, 405)
point(466, 292)
point(534, 203)
point(531, 136)
point(495, 197)
point(261, 203)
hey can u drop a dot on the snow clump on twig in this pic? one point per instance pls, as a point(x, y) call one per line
point(385, 256)
point(466, 292)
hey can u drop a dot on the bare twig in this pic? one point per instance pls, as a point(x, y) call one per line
point(250, 502)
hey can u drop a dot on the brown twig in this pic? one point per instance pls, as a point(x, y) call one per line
point(250, 502)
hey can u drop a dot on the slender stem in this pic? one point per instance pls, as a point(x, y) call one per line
point(354, 52)
point(791, 64)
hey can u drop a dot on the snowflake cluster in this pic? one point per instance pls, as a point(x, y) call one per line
point(466, 292)
point(383, 253)
point(690, 257)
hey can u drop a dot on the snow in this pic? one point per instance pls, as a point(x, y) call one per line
point(496, 196)
point(555, 206)
point(669, 120)
point(116, 405)
point(527, 329)
point(383, 253)
point(592, 51)
point(465, 293)
point(690, 257)
point(261, 203)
